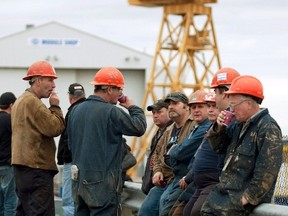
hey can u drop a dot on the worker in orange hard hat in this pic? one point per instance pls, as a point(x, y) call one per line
point(109, 77)
point(187, 149)
point(220, 83)
point(95, 130)
point(203, 171)
point(254, 152)
point(34, 127)
point(213, 111)
point(40, 68)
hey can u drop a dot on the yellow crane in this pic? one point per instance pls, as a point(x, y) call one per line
point(185, 59)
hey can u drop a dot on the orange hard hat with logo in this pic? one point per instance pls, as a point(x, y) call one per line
point(108, 76)
point(210, 97)
point(198, 97)
point(40, 68)
point(224, 76)
point(247, 85)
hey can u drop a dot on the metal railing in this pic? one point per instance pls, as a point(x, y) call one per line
point(133, 197)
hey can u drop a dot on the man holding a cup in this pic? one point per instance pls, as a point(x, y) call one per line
point(253, 152)
point(95, 130)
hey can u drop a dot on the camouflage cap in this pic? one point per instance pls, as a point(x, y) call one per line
point(177, 97)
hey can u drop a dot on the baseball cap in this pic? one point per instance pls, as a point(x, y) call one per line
point(6, 99)
point(158, 105)
point(76, 89)
point(177, 97)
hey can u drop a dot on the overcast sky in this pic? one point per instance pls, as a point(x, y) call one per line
point(252, 35)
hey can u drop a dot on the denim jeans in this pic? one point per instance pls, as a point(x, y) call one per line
point(150, 205)
point(67, 199)
point(8, 196)
point(170, 196)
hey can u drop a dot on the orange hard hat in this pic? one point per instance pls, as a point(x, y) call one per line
point(198, 97)
point(40, 68)
point(224, 76)
point(108, 76)
point(248, 85)
point(210, 97)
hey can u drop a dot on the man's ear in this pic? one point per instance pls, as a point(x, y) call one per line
point(109, 90)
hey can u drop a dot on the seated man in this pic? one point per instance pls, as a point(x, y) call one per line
point(179, 112)
point(182, 153)
point(203, 172)
point(254, 152)
point(162, 121)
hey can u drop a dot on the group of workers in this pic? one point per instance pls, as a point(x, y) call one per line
point(213, 164)
point(198, 163)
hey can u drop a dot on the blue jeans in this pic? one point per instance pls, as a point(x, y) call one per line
point(170, 196)
point(8, 196)
point(150, 205)
point(67, 199)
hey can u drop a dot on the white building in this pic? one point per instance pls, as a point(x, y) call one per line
point(76, 57)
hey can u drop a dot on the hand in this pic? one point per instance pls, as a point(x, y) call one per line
point(156, 178)
point(244, 201)
point(127, 103)
point(54, 99)
point(221, 118)
point(182, 183)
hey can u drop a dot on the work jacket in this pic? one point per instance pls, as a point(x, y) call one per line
point(95, 129)
point(183, 153)
point(34, 127)
point(161, 149)
point(147, 183)
point(253, 159)
point(64, 153)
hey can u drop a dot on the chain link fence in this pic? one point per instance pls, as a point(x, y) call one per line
point(281, 188)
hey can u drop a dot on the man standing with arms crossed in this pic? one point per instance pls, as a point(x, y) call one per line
point(34, 127)
point(95, 130)
point(76, 94)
